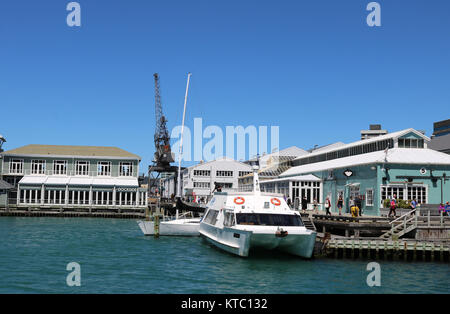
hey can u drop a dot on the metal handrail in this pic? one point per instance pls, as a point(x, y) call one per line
point(404, 215)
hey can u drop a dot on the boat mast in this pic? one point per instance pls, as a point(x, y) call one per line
point(181, 141)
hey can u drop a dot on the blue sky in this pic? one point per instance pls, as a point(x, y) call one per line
point(313, 68)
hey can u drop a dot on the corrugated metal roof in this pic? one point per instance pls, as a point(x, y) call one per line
point(5, 185)
point(441, 143)
point(367, 141)
point(411, 156)
point(70, 150)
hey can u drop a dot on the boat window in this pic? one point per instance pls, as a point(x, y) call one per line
point(266, 205)
point(211, 217)
point(269, 219)
point(228, 219)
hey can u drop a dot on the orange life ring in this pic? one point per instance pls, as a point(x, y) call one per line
point(275, 201)
point(239, 200)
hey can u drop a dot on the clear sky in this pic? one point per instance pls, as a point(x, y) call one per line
point(312, 67)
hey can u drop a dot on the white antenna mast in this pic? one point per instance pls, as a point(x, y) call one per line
point(181, 140)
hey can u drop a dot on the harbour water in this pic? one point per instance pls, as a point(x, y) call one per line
point(115, 257)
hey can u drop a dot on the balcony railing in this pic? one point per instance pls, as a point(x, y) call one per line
point(69, 173)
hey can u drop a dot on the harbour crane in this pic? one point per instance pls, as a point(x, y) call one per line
point(163, 155)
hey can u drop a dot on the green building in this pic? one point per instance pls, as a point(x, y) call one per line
point(372, 170)
point(49, 176)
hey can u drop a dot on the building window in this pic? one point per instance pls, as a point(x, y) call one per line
point(202, 173)
point(410, 143)
point(126, 169)
point(369, 197)
point(419, 193)
point(223, 173)
point(354, 191)
point(16, 166)
point(104, 168)
point(387, 192)
point(60, 167)
point(37, 166)
point(82, 168)
point(202, 185)
point(244, 173)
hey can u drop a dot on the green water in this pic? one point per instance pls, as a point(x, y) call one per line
point(115, 257)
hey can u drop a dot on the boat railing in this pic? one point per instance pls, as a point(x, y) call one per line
point(180, 216)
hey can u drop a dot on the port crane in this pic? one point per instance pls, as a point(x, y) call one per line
point(163, 156)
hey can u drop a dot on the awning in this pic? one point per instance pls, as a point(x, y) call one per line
point(308, 177)
point(79, 181)
point(33, 180)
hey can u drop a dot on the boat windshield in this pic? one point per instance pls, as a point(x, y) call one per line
point(269, 220)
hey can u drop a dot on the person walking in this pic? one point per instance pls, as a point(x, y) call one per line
point(413, 206)
point(358, 204)
point(340, 204)
point(316, 206)
point(328, 206)
point(393, 206)
point(352, 203)
point(441, 208)
point(304, 203)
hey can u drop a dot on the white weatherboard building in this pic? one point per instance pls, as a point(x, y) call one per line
point(61, 176)
point(271, 166)
point(199, 180)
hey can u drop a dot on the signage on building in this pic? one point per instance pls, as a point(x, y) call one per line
point(126, 189)
point(348, 173)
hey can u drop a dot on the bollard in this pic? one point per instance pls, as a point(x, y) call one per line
point(147, 214)
point(156, 225)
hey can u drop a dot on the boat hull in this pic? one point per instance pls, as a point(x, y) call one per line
point(299, 244)
point(233, 241)
point(180, 227)
point(242, 242)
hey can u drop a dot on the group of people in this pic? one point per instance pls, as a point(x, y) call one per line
point(393, 205)
point(444, 209)
point(327, 205)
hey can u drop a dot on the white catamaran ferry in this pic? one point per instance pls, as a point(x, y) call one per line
point(240, 222)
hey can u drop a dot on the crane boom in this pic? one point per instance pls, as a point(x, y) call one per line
point(163, 154)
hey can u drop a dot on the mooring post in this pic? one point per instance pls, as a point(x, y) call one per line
point(377, 251)
point(156, 225)
point(147, 214)
point(432, 252)
point(415, 252)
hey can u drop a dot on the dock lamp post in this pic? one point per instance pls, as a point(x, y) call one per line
point(443, 179)
point(2, 140)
